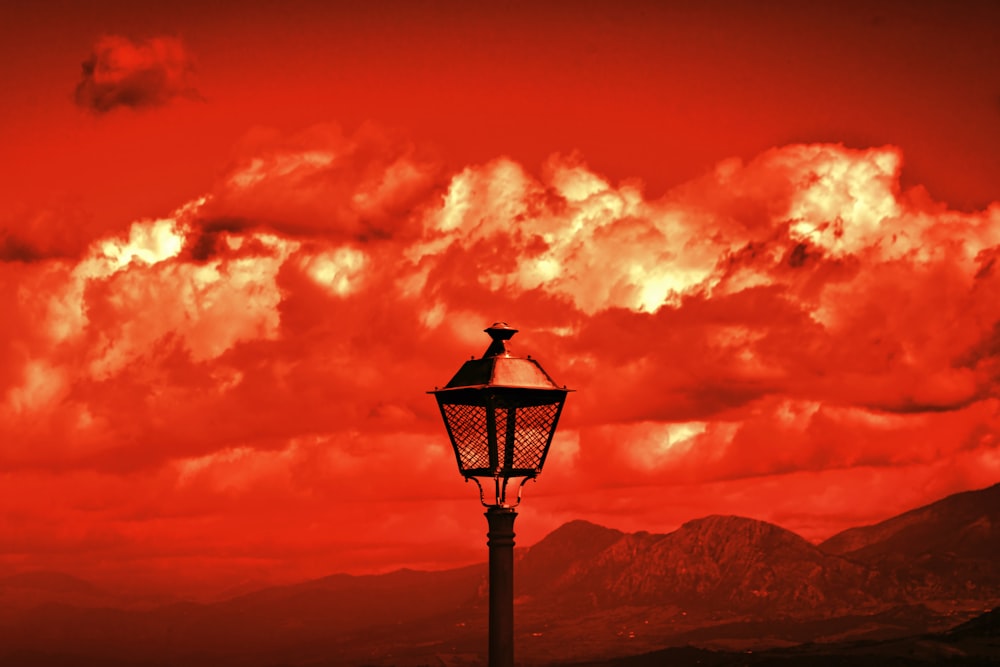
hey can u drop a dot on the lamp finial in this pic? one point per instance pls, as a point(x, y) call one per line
point(500, 332)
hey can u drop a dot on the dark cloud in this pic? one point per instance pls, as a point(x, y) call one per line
point(123, 73)
point(56, 231)
point(13, 249)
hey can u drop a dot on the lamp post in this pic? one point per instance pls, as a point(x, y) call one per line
point(501, 412)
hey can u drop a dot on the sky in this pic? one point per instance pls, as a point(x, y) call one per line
point(239, 245)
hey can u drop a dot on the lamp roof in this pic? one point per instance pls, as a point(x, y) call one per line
point(499, 368)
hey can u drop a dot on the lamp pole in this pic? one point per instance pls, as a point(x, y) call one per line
point(500, 540)
point(501, 412)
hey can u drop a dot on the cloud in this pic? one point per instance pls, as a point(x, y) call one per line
point(269, 344)
point(57, 231)
point(123, 73)
point(366, 187)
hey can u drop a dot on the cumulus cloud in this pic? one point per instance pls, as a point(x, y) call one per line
point(795, 317)
point(123, 73)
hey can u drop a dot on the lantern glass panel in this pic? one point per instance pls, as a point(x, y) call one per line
point(508, 439)
point(467, 424)
point(533, 427)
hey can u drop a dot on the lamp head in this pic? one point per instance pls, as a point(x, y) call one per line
point(501, 412)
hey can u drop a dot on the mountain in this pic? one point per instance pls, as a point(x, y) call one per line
point(41, 580)
point(963, 525)
point(744, 566)
point(945, 550)
point(353, 602)
point(719, 583)
point(27, 590)
point(555, 563)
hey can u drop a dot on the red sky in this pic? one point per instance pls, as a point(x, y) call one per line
point(237, 245)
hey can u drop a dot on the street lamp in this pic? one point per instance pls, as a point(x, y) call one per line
point(501, 412)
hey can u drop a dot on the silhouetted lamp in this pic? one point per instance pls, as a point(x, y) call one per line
point(501, 412)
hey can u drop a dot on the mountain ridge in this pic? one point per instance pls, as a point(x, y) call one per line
point(931, 525)
point(583, 591)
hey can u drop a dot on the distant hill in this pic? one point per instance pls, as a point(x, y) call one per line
point(29, 590)
point(719, 584)
point(985, 626)
point(973, 644)
point(41, 580)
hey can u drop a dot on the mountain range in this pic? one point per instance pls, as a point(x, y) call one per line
point(719, 586)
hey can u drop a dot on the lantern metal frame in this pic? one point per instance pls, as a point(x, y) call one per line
point(501, 412)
